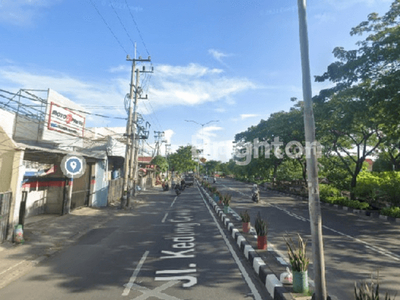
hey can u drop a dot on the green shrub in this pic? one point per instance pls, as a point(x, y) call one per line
point(353, 203)
point(367, 186)
point(391, 211)
point(389, 189)
point(379, 187)
point(326, 191)
point(347, 202)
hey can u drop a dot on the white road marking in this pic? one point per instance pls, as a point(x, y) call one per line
point(246, 277)
point(134, 275)
point(176, 271)
point(174, 201)
point(22, 261)
point(165, 217)
point(367, 245)
point(146, 292)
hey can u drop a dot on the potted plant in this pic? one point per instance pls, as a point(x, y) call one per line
point(365, 291)
point(216, 195)
point(261, 227)
point(220, 197)
point(213, 189)
point(299, 262)
point(245, 221)
point(226, 201)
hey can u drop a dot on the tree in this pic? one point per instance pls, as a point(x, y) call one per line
point(360, 111)
point(384, 162)
point(212, 166)
point(283, 126)
point(161, 162)
point(346, 127)
point(181, 160)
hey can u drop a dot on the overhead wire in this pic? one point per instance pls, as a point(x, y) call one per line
point(23, 112)
point(65, 107)
point(108, 26)
point(122, 24)
point(137, 28)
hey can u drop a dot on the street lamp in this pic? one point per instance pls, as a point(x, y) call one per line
point(202, 133)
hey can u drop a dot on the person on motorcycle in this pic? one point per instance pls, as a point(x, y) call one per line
point(215, 180)
point(183, 184)
point(177, 189)
point(255, 193)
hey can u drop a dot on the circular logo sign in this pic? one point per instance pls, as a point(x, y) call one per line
point(73, 166)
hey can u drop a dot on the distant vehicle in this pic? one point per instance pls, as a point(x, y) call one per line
point(189, 179)
point(205, 177)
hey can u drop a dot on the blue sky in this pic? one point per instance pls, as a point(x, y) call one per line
point(235, 61)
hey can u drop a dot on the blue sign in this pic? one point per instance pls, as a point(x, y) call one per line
point(73, 166)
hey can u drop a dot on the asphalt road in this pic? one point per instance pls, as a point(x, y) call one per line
point(168, 248)
point(355, 246)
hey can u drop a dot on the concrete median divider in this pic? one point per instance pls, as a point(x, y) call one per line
point(274, 287)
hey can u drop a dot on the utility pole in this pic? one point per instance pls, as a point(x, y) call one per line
point(311, 157)
point(166, 156)
point(130, 153)
point(135, 137)
point(158, 136)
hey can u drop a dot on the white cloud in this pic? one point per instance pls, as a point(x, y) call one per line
point(209, 131)
point(246, 116)
point(218, 55)
point(83, 93)
point(168, 135)
point(170, 85)
point(120, 68)
point(345, 4)
point(192, 70)
point(23, 12)
point(193, 85)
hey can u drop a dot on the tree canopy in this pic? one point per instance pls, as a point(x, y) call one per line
point(161, 162)
point(181, 160)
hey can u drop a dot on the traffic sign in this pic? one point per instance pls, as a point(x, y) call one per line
point(73, 166)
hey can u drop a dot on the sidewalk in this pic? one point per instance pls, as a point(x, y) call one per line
point(44, 235)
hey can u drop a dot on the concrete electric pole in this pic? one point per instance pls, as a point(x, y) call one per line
point(311, 157)
point(130, 164)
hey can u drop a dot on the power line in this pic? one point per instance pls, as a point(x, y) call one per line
point(122, 24)
point(109, 28)
point(23, 105)
point(137, 28)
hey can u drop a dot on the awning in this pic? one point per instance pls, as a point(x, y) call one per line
point(44, 154)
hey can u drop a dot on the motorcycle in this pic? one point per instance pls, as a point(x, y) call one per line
point(165, 186)
point(177, 189)
point(183, 185)
point(256, 196)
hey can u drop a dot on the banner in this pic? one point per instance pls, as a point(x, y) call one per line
point(63, 120)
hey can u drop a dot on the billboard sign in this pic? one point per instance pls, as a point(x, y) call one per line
point(64, 120)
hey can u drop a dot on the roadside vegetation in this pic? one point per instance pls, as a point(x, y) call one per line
point(357, 126)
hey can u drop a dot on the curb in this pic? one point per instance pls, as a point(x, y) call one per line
point(274, 287)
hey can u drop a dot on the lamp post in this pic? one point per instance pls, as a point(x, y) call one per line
point(202, 133)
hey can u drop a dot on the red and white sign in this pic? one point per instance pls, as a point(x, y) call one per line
point(64, 120)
